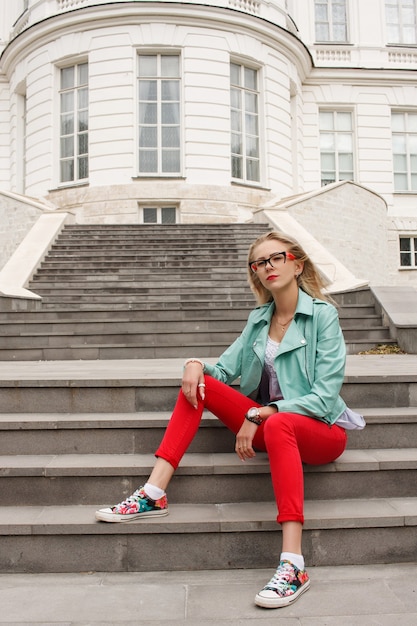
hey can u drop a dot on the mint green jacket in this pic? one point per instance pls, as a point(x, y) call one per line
point(310, 364)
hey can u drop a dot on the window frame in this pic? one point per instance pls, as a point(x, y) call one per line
point(412, 238)
point(159, 173)
point(76, 133)
point(408, 155)
point(245, 136)
point(337, 153)
point(331, 23)
point(159, 208)
point(402, 25)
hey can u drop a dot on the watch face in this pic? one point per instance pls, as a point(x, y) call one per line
point(253, 412)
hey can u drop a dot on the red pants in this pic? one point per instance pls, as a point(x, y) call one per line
point(289, 438)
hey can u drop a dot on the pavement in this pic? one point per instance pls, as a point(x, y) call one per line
point(366, 595)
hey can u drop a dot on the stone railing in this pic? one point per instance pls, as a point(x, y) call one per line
point(248, 6)
point(366, 56)
point(271, 10)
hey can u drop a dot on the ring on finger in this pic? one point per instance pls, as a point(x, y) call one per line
point(201, 385)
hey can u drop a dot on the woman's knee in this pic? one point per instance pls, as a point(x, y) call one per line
point(276, 424)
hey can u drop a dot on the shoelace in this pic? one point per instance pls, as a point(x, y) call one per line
point(135, 497)
point(281, 577)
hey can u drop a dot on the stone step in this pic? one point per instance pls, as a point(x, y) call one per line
point(160, 293)
point(362, 296)
point(152, 334)
point(201, 477)
point(111, 351)
point(215, 229)
point(140, 433)
point(128, 386)
point(108, 326)
point(216, 536)
point(158, 239)
point(213, 258)
point(160, 337)
point(146, 274)
point(143, 302)
point(134, 297)
point(108, 305)
point(166, 314)
point(156, 230)
point(95, 325)
point(349, 319)
point(134, 286)
point(191, 312)
point(194, 245)
point(125, 264)
point(204, 255)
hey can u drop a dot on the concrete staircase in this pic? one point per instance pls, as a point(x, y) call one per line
point(79, 434)
point(143, 291)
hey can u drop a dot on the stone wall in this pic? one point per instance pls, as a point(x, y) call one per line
point(351, 222)
point(17, 216)
point(122, 204)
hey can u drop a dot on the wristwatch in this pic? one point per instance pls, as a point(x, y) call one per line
point(253, 416)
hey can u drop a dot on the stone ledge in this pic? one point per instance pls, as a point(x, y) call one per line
point(159, 419)
point(398, 306)
point(56, 465)
point(185, 518)
point(132, 372)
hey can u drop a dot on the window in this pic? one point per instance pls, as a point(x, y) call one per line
point(74, 123)
point(408, 251)
point(159, 114)
point(401, 21)
point(244, 114)
point(331, 20)
point(404, 149)
point(21, 133)
point(159, 215)
point(336, 146)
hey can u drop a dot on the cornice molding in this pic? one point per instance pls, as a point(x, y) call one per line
point(105, 15)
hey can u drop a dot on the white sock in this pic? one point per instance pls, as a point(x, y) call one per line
point(153, 492)
point(295, 559)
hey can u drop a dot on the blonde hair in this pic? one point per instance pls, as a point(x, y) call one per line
point(310, 280)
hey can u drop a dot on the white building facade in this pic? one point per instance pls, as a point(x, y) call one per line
point(142, 111)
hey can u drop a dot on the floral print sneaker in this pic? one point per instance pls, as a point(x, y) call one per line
point(138, 505)
point(286, 585)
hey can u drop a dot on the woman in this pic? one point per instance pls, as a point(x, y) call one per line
point(290, 359)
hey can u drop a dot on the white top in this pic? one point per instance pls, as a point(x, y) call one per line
point(348, 420)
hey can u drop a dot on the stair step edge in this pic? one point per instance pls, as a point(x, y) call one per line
point(159, 419)
point(195, 463)
point(197, 518)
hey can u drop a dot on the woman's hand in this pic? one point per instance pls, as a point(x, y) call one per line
point(247, 432)
point(193, 386)
point(244, 439)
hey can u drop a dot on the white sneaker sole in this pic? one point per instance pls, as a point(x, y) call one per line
point(277, 602)
point(106, 515)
